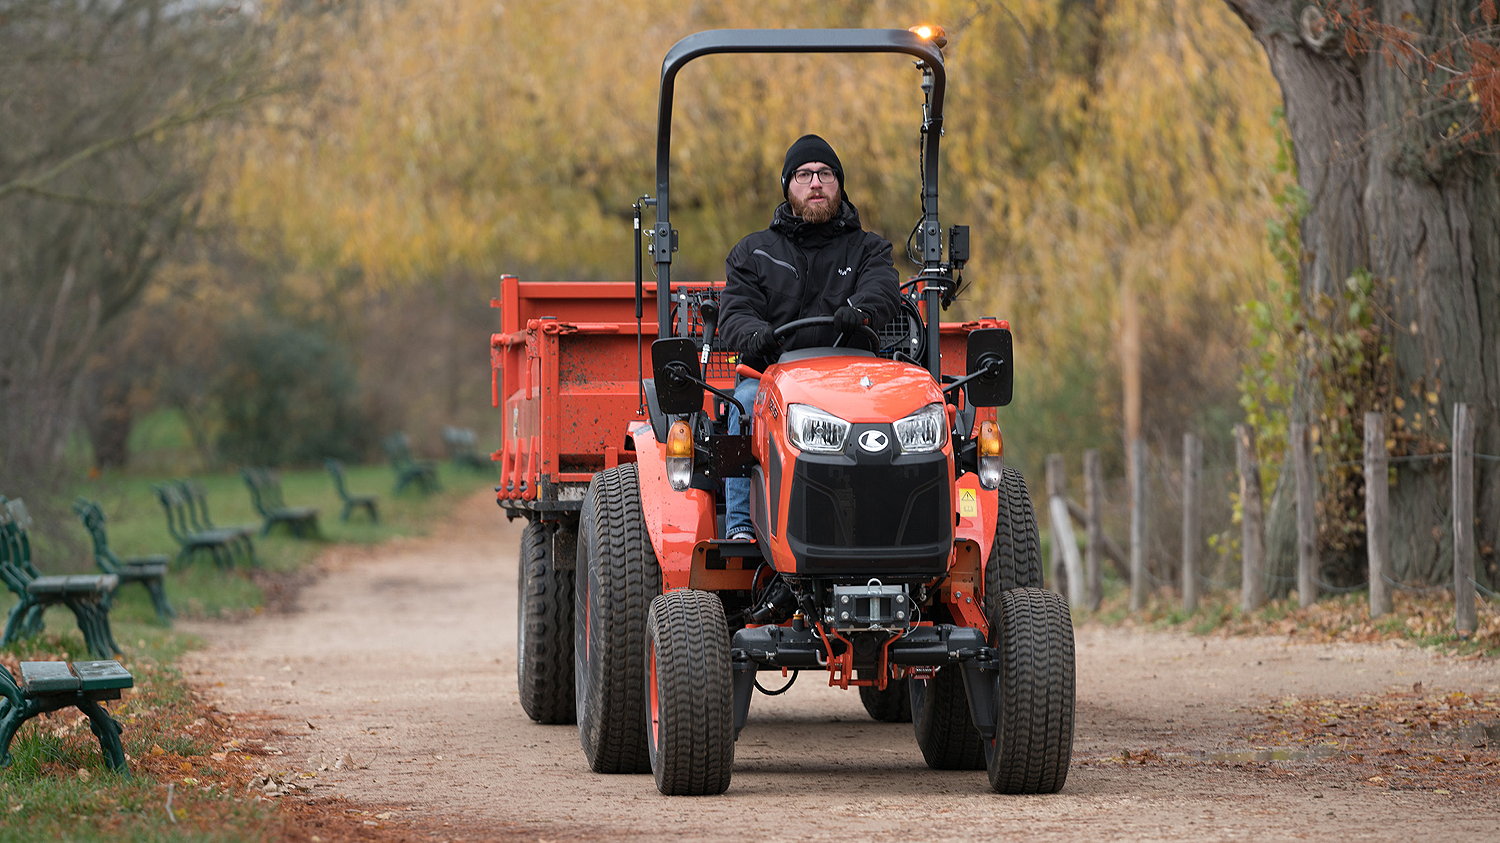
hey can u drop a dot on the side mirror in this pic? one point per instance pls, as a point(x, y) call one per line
point(992, 367)
point(674, 361)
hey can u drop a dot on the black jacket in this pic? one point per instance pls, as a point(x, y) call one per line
point(794, 270)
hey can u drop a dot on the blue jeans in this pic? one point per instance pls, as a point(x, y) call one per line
point(737, 489)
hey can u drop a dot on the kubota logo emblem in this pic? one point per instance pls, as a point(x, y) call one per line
point(873, 441)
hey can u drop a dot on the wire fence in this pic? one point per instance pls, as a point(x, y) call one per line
point(1187, 517)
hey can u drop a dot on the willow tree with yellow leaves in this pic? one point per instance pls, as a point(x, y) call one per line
point(1394, 112)
point(1102, 153)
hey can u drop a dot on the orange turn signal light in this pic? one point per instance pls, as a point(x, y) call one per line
point(990, 442)
point(680, 440)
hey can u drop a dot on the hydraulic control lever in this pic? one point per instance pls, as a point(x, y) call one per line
point(708, 309)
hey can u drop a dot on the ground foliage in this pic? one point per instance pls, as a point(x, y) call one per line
point(1433, 740)
point(1418, 618)
point(1440, 741)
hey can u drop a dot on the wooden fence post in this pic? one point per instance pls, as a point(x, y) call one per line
point(1093, 479)
point(1465, 615)
point(1252, 522)
point(1307, 517)
point(1138, 584)
point(1054, 557)
point(1377, 513)
point(1064, 543)
point(1192, 533)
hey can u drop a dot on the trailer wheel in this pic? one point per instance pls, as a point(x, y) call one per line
point(1034, 727)
point(689, 694)
point(544, 634)
point(616, 578)
point(940, 715)
point(893, 705)
point(1015, 558)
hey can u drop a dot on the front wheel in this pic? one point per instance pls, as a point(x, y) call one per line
point(544, 634)
point(689, 693)
point(1033, 743)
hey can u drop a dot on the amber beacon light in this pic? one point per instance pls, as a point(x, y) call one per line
point(931, 32)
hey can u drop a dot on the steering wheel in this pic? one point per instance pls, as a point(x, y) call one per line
point(811, 321)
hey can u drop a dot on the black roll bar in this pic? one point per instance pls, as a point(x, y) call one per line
point(793, 41)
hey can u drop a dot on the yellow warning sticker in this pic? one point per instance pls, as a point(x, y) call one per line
point(968, 503)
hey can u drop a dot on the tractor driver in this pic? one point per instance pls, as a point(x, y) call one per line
point(814, 260)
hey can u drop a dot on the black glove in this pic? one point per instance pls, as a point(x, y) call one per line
point(763, 343)
point(849, 319)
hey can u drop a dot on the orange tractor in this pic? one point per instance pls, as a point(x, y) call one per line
point(893, 552)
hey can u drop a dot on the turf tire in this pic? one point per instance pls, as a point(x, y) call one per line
point(893, 705)
point(1033, 743)
point(940, 716)
point(616, 578)
point(689, 694)
point(1015, 559)
point(544, 635)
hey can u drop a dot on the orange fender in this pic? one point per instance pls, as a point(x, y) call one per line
point(676, 521)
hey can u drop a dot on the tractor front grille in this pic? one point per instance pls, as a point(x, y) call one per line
point(893, 517)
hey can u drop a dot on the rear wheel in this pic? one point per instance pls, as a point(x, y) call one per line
point(1016, 557)
point(940, 715)
point(1033, 742)
point(893, 705)
point(689, 693)
point(544, 635)
point(616, 578)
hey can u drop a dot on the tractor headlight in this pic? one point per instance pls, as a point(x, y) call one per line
point(924, 431)
point(815, 431)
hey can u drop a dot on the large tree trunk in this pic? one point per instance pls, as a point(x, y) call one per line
point(1390, 193)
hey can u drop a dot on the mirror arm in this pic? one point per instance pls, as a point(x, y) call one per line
point(679, 373)
point(992, 367)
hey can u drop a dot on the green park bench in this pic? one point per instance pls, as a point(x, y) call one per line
point(223, 544)
point(265, 494)
point(49, 686)
point(409, 471)
point(351, 502)
point(87, 595)
point(463, 449)
point(149, 571)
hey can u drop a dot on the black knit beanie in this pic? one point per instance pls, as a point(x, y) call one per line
point(806, 150)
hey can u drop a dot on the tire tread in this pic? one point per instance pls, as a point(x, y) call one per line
point(544, 663)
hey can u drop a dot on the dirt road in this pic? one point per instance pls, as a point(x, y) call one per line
point(401, 662)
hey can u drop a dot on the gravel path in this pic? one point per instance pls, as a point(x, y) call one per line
point(397, 668)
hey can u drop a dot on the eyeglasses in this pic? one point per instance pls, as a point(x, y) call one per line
point(825, 176)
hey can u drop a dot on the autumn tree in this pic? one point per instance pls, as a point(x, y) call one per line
point(101, 161)
point(1392, 108)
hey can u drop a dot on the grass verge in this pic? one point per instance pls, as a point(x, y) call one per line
point(192, 776)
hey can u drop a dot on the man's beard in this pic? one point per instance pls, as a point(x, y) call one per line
point(817, 212)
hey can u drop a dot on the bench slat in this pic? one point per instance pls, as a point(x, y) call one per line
point(74, 584)
point(48, 678)
point(103, 675)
